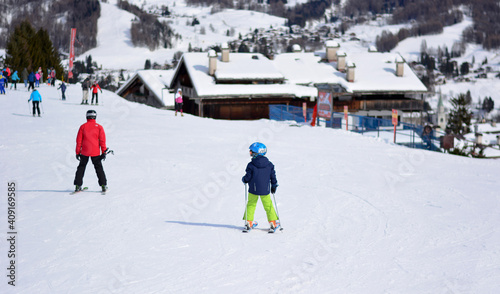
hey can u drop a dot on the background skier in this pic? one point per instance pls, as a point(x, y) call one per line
point(178, 101)
point(53, 77)
point(24, 75)
point(90, 142)
point(31, 80)
point(261, 178)
point(37, 99)
point(2, 84)
point(62, 86)
point(85, 91)
point(95, 87)
point(15, 79)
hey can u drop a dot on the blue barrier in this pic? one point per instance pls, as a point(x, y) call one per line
point(414, 135)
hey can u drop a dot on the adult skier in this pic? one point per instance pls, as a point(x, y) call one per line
point(31, 80)
point(15, 80)
point(261, 179)
point(178, 101)
point(37, 99)
point(25, 77)
point(62, 86)
point(53, 77)
point(85, 91)
point(95, 87)
point(90, 143)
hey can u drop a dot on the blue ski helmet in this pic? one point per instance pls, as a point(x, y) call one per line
point(258, 148)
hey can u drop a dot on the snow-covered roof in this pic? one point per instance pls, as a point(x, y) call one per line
point(247, 66)
point(375, 72)
point(156, 81)
point(241, 66)
point(306, 69)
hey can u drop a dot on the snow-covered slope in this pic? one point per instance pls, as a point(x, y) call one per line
point(114, 45)
point(359, 215)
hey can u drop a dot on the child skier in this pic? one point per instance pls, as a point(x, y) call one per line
point(261, 178)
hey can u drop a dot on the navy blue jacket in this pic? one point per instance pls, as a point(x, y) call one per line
point(259, 173)
point(31, 77)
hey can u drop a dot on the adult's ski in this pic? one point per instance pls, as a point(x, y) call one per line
point(82, 190)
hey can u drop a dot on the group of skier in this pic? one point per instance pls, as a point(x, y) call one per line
point(31, 79)
point(94, 87)
point(5, 75)
point(260, 175)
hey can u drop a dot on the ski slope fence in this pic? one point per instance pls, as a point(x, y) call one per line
point(407, 134)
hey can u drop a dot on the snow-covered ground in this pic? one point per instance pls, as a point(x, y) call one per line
point(360, 215)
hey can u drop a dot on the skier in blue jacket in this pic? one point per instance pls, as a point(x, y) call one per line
point(261, 179)
point(37, 99)
point(2, 84)
point(15, 79)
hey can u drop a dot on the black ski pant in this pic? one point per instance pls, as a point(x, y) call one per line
point(94, 95)
point(80, 171)
point(36, 107)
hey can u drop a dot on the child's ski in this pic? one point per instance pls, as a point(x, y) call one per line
point(273, 229)
point(82, 190)
point(247, 228)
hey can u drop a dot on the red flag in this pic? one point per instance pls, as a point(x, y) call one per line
point(315, 115)
point(71, 53)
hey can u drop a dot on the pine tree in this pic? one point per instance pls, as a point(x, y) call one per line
point(460, 117)
point(18, 51)
point(29, 49)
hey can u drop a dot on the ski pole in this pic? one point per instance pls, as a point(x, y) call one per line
point(43, 112)
point(29, 107)
point(246, 204)
point(277, 213)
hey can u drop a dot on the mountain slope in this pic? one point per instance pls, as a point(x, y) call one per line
point(360, 215)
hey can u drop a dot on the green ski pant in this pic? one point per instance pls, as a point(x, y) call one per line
point(267, 202)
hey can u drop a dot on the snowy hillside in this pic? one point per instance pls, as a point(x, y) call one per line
point(114, 45)
point(115, 50)
point(359, 215)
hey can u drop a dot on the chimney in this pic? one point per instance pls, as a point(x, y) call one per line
point(341, 56)
point(296, 48)
point(331, 50)
point(400, 65)
point(225, 52)
point(212, 62)
point(350, 72)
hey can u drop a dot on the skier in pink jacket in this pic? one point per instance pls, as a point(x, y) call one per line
point(178, 101)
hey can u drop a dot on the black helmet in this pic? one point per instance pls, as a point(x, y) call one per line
point(91, 114)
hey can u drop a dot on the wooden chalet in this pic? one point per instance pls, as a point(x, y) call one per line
point(243, 85)
point(234, 85)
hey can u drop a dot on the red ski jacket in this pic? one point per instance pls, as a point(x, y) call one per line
point(90, 138)
point(95, 88)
